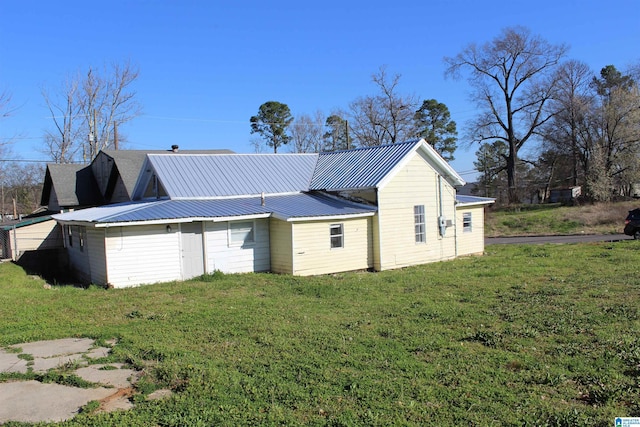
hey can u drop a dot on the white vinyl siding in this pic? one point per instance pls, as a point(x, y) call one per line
point(38, 236)
point(142, 254)
point(413, 183)
point(229, 256)
point(281, 238)
point(78, 258)
point(94, 247)
point(312, 252)
point(470, 241)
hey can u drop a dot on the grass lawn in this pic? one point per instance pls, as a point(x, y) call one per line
point(533, 220)
point(526, 335)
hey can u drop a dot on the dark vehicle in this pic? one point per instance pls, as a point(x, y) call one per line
point(632, 224)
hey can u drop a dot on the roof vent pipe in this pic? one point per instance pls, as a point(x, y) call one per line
point(262, 198)
point(175, 148)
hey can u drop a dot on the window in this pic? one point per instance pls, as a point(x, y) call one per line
point(241, 233)
point(337, 235)
point(70, 235)
point(466, 222)
point(418, 220)
point(82, 235)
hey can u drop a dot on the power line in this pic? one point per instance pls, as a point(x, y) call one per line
point(27, 161)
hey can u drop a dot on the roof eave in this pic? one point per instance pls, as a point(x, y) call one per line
point(324, 217)
point(477, 203)
point(181, 220)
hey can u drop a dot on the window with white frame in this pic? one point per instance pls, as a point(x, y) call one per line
point(241, 233)
point(336, 232)
point(418, 220)
point(466, 222)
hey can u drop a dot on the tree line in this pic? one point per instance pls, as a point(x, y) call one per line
point(385, 118)
point(580, 128)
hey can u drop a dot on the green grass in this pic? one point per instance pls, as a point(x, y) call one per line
point(531, 220)
point(526, 335)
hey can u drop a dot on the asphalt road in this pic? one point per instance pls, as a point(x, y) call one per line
point(582, 238)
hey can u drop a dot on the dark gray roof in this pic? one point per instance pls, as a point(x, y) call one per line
point(73, 185)
point(286, 207)
point(205, 176)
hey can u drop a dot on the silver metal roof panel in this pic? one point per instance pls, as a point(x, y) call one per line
point(359, 168)
point(203, 176)
point(300, 205)
point(473, 200)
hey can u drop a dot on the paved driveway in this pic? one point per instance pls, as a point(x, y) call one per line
point(580, 238)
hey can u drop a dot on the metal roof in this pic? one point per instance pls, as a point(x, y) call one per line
point(287, 207)
point(359, 168)
point(203, 176)
point(473, 200)
point(129, 162)
point(10, 225)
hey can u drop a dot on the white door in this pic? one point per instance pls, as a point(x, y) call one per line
point(192, 250)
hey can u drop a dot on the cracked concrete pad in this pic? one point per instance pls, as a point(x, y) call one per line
point(10, 362)
point(119, 378)
point(62, 347)
point(18, 401)
point(98, 353)
point(43, 365)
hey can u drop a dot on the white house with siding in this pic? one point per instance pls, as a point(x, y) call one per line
point(303, 214)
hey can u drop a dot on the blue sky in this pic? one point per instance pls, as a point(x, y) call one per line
point(206, 66)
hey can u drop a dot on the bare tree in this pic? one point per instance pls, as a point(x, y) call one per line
point(306, 133)
point(617, 133)
point(5, 99)
point(23, 185)
point(65, 140)
point(86, 110)
point(513, 79)
point(386, 118)
point(573, 104)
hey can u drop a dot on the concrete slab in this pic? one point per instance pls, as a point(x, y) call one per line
point(10, 362)
point(32, 401)
point(44, 364)
point(52, 348)
point(118, 378)
point(98, 353)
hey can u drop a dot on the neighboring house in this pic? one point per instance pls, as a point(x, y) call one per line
point(30, 234)
point(567, 195)
point(69, 186)
point(372, 208)
point(110, 178)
